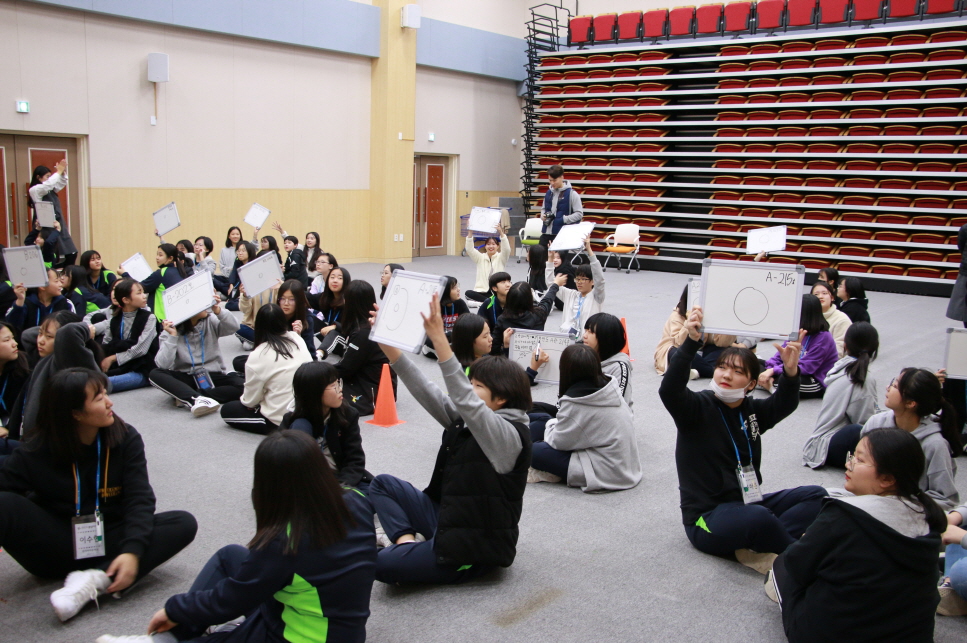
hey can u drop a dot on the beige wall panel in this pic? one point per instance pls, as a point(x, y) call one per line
point(475, 118)
point(122, 225)
point(506, 17)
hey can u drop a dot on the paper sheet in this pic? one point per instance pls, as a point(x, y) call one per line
point(766, 240)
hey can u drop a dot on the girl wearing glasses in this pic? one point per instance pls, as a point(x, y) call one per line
point(866, 569)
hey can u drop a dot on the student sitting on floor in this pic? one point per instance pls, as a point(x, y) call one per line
point(323, 413)
point(245, 251)
point(850, 399)
point(468, 515)
point(203, 261)
point(171, 270)
point(591, 443)
point(587, 299)
point(14, 373)
point(452, 306)
point(492, 260)
point(831, 277)
point(471, 339)
point(837, 319)
point(31, 310)
point(80, 464)
point(190, 365)
point(83, 298)
point(536, 265)
point(269, 370)
point(295, 262)
point(855, 303)
point(562, 266)
point(361, 367)
point(493, 306)
point(818, 352)
point(605, 334)
point(866, 569)
point(385, 276)
point(520, 311)
point(329, 320)
point(674, 334)
point(305, 576)
point(719, 449)
point(129, 338)
point(953, 588)
point(99, 278)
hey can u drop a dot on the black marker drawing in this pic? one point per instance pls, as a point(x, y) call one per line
point(751, 306)
point(396, 313)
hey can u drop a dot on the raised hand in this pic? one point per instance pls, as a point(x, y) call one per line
point(790, 354)
point(694, 323)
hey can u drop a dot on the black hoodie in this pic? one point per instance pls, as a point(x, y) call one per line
point(854, 578)
point(855, 309)
point(531, 320)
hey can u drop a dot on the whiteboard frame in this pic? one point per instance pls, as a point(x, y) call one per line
point(541, 333)
point(690, 301)
point(799, 269)
point(154, 216)
point(20, 250)
point(946, 355)
point(582, 230)
point(48, 208)
point(381, 335)
point(268, 259)
point(482, 211)
point(254, 212)
point(200, 276)
point(133, 258)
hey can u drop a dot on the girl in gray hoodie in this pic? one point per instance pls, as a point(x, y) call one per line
point(605, 333)
point(591, 443)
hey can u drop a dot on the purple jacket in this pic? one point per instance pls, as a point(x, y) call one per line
point(817, 357)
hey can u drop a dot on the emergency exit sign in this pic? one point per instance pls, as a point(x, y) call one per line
point(23, 107)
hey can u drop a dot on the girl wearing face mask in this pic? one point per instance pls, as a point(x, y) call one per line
point(719, 451)
point(493, 259)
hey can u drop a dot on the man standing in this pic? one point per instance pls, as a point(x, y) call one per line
point(562, 206)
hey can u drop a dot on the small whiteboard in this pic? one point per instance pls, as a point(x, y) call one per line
point(256, 216)
point(955, 355)
point(770, 239)
point(752, 299)
point(46, 216)
point(166, 219)
point(398, 322)
point(25, 265)
point(261, 274)
point(694, 293)
point(484, 220)
point(189, 297)
point(137, 267)
point(571, 237)
point(523, 343)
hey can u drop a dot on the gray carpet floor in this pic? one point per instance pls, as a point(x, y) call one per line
point(613, 567)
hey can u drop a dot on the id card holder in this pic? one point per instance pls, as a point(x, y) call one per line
point(749, 484)
point(88, 536)
point(203, 380)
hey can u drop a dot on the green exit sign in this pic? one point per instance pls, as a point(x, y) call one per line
point(23, 107)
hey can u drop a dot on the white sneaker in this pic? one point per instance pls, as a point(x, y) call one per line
point(761, 562)
point(203, 406)
point(535, 475)
point(79, 588)
point(692, 374)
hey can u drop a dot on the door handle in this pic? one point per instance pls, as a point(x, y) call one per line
point(13, 208)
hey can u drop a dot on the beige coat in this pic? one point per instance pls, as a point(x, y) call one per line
point(674, 334)
point(249, 306)
point(487, 266)
point(838, 323)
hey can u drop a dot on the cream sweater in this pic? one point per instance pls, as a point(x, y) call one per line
point(487, 266)
point(838, 323)
point(268, 378)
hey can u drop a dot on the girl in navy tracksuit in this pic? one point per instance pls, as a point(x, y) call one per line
point(307, 573)
point(171, 270)
point(78, 290)
point(98, 277)
point(31, 310)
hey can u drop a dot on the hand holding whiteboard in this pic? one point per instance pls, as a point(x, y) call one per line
point(399, 321)
point(257, 215)
point(25, 265)
point(46, 216)
point(571, 237)
point(766, 240)
point(166, 219)
point(752, 299)
point(260, 274)
point(484, 220)
point(137, 267)
point(187, 298)
point(523, 344)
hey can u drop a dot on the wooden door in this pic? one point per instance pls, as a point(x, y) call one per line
point(32, 151)
point(8, 189)
point(430, 205)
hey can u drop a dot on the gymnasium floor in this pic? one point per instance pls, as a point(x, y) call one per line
point(613, 567)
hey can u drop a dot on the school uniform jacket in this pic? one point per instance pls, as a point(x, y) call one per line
point(156, 283)
point(707, 429)
point(360, 369)
point(531, 320)
point(104, 282)
point(345, 444)
point(33, 312)
point(295, 267)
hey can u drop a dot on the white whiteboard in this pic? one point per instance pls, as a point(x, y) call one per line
point(694, 293)
point(955, 355)
point(571, 237)
point(772, 239)
point(25, 265)
point(137, 267)
point(260, 274)
point(166, 219)
point(46, 215)
point(752, 299)
point(398, 322)
point(256, 216)
point(523, 343)
point(189, 297)
point(484, 220)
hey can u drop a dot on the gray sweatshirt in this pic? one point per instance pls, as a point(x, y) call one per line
point(599, 431)
point(618, 368)
point(492, 430)
point(844, 403)
point(176, 352)
point(577, 210)
point(901, 515)
point(938, 479)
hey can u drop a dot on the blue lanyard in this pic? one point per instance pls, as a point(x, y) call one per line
point(744, 432)
point(122, 326)
point(191, 355)
point(452, 308)
point(805, 344)
point(3, 392)
point(97, 483)
point(329, 318)
point(577, 318)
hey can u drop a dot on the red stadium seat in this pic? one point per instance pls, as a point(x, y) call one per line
point(654, 23)
point(940, 6)
point(866, 10)
point(629, 25)
point(681, 21)
point(831, 11)
point(902, 8)
point(801, 13)
point(768, 14)
point(708, 18)
point(579, 30)
point(605, 27)
point(738, 16)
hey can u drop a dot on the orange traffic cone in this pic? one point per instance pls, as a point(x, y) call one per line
point(627, 349)
point(385, 402)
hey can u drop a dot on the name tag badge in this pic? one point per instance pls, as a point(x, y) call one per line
point(749, 484)
point(202, 379)
point(88, 536)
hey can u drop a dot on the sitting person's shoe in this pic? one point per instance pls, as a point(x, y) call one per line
point(692, 374)
point(951, 603)
point(203, 406)
point(79, 589)
point(762, 563)
point(770, 588)
point(536, 475)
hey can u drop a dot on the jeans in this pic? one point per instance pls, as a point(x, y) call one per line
point(246, 332)
point(955, 568)
point(128, 381)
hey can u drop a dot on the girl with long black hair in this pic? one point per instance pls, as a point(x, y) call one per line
point(536, 264)
point(98, 277)
point(78, 290)
point(362, 364)
point(818, 352)
point(306, 574)
point(171, 270)
point(227, 255)
point(14, 373)
point(44, 186)
point(129, 338)
point(521, 312)
point(237, 300)
point(854, 301)
point(313, 250)
point(606, 334)
point(330, 314)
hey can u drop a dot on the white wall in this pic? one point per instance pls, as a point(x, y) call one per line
point(476, 118)
point(237, 113)
point(507, 17)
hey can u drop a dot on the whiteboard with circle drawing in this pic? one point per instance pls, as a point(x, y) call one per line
point(751, 299)
point(189, 297)
point(955, 355)
point(399, 322)
point(46, 215)
point(524, 343)
point(261, 274)
point(166, 219)
point(25, 265)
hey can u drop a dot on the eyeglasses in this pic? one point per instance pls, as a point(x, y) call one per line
point(891, 385)
point(851, 462)
point(581, 280)
point(336, 386)
point(286, 300)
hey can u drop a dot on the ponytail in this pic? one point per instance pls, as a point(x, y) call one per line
point(923, 387)
point(949, 427)
point(177, 258)
point(862, 342)
point(936, 518)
